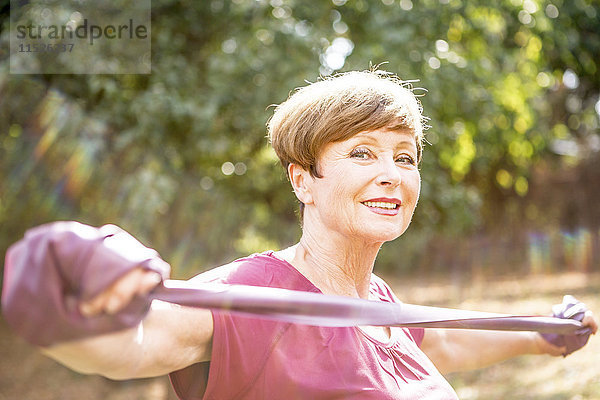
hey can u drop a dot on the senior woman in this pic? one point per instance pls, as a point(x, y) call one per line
point(351, 145)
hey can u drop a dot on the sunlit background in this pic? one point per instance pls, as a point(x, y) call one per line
point(179, 158)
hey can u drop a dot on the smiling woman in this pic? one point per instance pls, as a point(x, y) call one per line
point(368, 188)
point(351, 145)
point(338, 108)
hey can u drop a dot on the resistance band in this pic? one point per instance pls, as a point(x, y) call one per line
point(326, 310)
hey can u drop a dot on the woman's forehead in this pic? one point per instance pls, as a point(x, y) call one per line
point(395, 135)
point(383, 137)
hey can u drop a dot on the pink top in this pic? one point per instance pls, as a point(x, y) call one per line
point(259, 359)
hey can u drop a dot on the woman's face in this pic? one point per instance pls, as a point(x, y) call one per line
point(369, 187)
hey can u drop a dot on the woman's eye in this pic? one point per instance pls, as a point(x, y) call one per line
point(361, 154)
point(406, 159)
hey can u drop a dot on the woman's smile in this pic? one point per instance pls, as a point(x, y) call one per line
point(384, 206)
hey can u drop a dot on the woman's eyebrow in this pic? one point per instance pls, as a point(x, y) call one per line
point(370, 138)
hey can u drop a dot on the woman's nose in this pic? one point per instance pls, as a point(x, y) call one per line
point(389, 173)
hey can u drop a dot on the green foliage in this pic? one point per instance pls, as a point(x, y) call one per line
point(179, 157)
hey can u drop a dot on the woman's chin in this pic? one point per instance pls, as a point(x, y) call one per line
point(381, 235)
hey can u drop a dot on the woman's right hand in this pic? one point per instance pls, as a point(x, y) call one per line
point(61, 272)
point(137, 282)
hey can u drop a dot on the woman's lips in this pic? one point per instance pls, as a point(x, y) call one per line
point(383, 206)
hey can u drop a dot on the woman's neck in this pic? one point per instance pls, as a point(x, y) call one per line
point(334, 264)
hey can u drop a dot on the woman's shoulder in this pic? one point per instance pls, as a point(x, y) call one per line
point(381, 290)
point(259, 269)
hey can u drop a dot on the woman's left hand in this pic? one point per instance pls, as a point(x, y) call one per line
point(563, 345)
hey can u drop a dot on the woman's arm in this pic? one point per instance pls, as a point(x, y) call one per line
point(169, 338)
point(81, 294)
point(462, 350)
point(457, 350)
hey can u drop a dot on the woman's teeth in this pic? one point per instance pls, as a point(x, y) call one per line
point(380, 204)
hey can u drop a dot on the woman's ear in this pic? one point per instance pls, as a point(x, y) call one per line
point(301, 183)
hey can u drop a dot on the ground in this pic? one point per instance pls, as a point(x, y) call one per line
point(576, 377)
point(27, 375)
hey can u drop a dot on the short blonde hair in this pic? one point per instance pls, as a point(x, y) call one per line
point(337, 108)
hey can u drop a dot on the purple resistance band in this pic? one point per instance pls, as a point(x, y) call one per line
point(56, 266)
point(325, 310)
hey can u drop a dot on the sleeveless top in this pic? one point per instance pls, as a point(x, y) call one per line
point(253, 358)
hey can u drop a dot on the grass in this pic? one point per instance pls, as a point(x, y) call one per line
point(25, 374)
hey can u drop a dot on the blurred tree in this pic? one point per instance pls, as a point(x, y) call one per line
point(179, 157)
